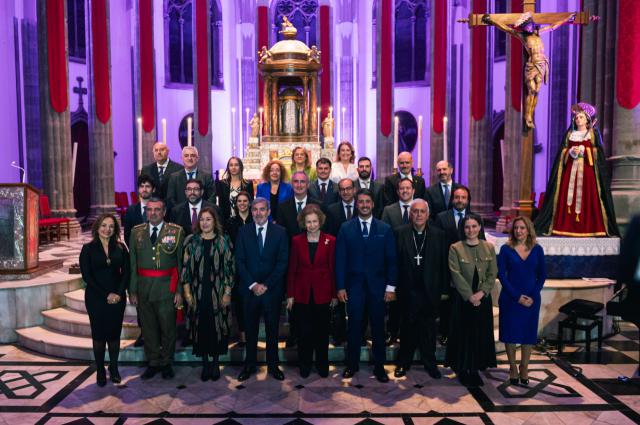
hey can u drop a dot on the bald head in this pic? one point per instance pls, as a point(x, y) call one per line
point(444, 170)
point(160, 152)
point(405, 163)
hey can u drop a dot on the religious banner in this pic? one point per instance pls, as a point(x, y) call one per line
point(479, 81)
point(325, 58)
point(439, 65)
point(263, 40)
point(147, 107)
point(202, 65)
point(628, 59)
point(100, 57)
point(56, 55)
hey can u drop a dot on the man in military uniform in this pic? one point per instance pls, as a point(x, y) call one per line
point(156, 258)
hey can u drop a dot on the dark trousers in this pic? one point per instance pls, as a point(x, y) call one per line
point(359, 297)
point(267, 306)
point(445, 317)
point(313, 334)
point(393, 320)
point(418, 331)
point(159, 331)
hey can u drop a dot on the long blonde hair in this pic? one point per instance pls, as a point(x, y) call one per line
point(531, 237)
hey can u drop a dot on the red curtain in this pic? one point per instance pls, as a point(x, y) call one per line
point(202, 58)
point(516, 63)
point(100, 57)
point(325, 59)
point(479, 65)
point(56, 55)
point(263, 40)
point(628, 60)
point(386, 66)
point(146, 65)
point(440, 65)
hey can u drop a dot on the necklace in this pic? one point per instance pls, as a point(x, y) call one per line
point(418, 257)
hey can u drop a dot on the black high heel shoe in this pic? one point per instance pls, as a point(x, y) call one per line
point(524, 381)
point(114, 375)
point(101, 377)
point(512, 380)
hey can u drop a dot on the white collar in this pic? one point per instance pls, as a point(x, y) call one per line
point(402, 204)
point(406, 176)
point(196, 206)
point(320, 181)
point(368, 221)
point(163, 165)
point(303, 200)
point(157, 226)
point(194, 171)
point(264, 227)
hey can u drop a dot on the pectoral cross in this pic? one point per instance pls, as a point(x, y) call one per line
point(418, 257)
point(527, 27)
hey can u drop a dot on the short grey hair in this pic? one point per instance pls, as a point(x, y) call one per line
point(193, 148)
point(259, 200)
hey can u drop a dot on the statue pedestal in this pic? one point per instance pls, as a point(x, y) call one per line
point(329, 143)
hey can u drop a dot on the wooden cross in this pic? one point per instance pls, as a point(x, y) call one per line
point(80, 91)
point(527, 27)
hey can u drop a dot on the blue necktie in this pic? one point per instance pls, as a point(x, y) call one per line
point(260, 241)
point(365, 231)
point(447, 195)
point(405, 214)
point(191, 175)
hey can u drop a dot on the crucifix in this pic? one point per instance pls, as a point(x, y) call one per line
point(527, 27)
point(418, 257)
point(80, 91)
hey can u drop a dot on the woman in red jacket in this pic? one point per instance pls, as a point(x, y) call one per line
point(311, 287)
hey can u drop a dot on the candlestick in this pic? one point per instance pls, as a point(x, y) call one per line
point(189, 131)
point(318, 109)
point(246, 111)
point(261, 110)
point(445, 146)
point(233, 131)
point(396, 123)
point(420, 142)
point(139, 144)
point(74, 157)
point(164, 131)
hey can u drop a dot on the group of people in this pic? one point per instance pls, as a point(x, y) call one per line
point(345, 253)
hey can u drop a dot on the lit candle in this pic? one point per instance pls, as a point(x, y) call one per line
point(74, 157)
point(445, 146)
point(318, 114)
point(233, 131)
point(139, 144)
point(396, 123)
point(420, 142)
point(247, 121)
point(342, 124)
point(164, 131)
point(261, 110)
point(189, 131)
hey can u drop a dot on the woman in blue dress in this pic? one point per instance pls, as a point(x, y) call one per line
point(522, 274)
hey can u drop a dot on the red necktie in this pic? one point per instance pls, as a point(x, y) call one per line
point(194, 217)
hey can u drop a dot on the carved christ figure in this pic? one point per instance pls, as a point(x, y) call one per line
point(537, 65)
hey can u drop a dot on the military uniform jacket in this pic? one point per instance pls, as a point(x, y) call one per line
point(165, 254)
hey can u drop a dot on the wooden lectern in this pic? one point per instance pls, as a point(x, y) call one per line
point(19, 216)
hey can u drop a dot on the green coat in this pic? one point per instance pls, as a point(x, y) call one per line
point(462, 265)
point(165, 254)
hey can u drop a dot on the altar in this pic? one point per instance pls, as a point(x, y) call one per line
point(289, 116)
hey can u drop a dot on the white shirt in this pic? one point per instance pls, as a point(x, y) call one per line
point(164, 166)
point(197, 206)
point(390, 287)
point(143, 205)
point(338, 173)
point(157, 226)
point(264, 238)
point(456, 217)
point(194, 171)
point(344, 207)
point(442, 187)
point(303, 200)
point(405, 176)
point(365, 184)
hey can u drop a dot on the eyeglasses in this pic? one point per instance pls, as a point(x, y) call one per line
point(192, 189)
point(345, 189)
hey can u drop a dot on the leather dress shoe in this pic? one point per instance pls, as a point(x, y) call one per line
point(215, 372)
point(400, 372)
point(391, 339)
point(139, 342)
point(101, 377)
point(114, 374)
point(305, 371)
point(246, 373)
point(276, 373)
point(348, 373)
point(381, 375)
point(149, 373)
point(323, 372)
point(206, 373)
point(433, 371)
point(167, 372)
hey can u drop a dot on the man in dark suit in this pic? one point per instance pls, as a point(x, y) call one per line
point(397, 213)
point(186, 213)
point(450, 221)
point(323, 188)
point(178, 180)
point(366, 274)
point(422, 276)
point(405, 170)
point(288, 210)
point(439, 194)
point(343, 210)
point(262, 254)
point(161, 169)
point(136, 213)
point(365, 181)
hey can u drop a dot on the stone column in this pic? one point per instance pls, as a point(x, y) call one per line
point(512, 126)
point(55, 126)
point(31, 102)
point(384, 87)
point(266, 120)
point(626, 116)
point(145, 77)
point(100, 130)
point(201, 45)
point(480, 142)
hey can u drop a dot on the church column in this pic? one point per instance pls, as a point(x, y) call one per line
point(439, 61)
point(202, 81)
point(100, 130)
point(480, 162)
point(512, 126)
point(54, 110)
point(145, 78)
point(626, 115)
point(384, 87)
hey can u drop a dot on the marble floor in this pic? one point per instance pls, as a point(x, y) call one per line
point(575, 389)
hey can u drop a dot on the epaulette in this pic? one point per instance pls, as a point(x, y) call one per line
point(176, 226)
point(139, 226)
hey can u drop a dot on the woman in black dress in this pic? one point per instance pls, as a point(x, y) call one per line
point(208, 276)
point(229, 187)
point(104, 263)
point(474, 268)
point(241, 217)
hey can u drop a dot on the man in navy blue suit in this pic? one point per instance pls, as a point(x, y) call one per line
point(365, 276)
point(262, 255)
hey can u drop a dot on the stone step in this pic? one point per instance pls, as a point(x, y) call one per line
point(75, 301)
point(76, 323)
